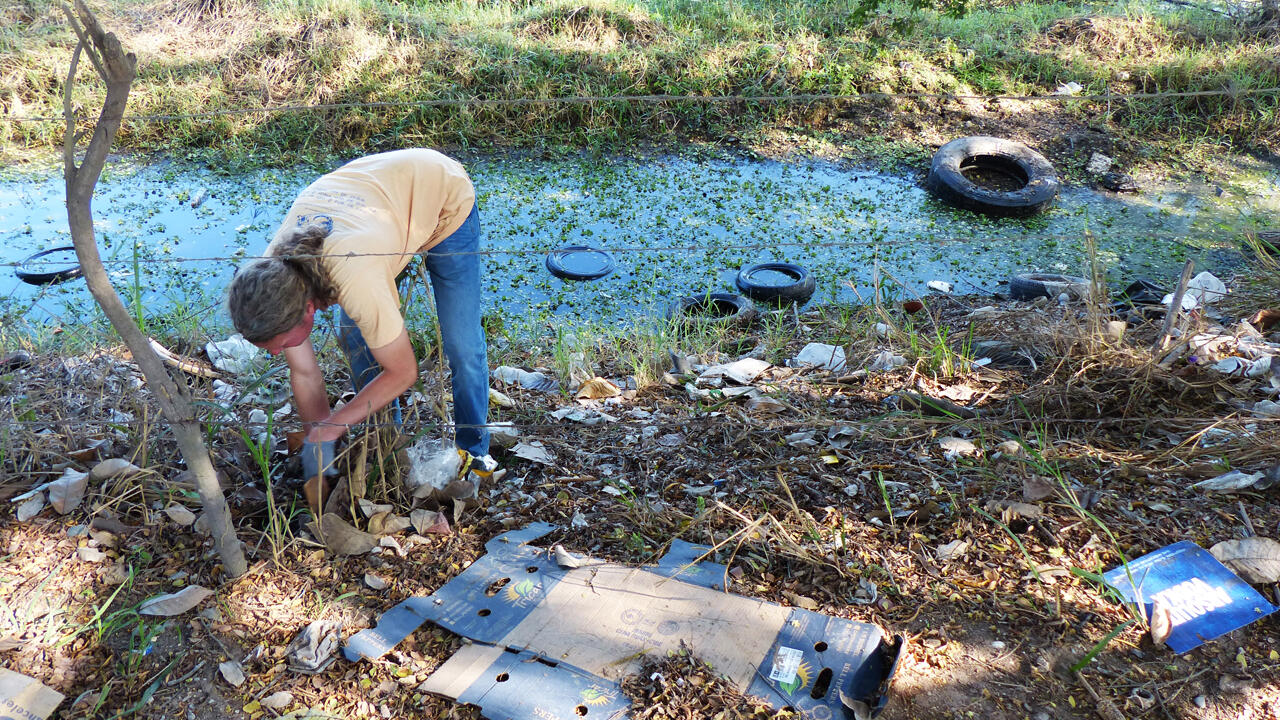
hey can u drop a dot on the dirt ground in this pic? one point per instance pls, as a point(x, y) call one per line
point(856, 482)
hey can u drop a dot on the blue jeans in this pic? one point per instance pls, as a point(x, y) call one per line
point(454, 268)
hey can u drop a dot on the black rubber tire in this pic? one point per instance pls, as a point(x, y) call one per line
point(1039, 181)
point(1029, 286)
point(1268, 241)
point(556, 265)
point(798, 291)
point(729, 309)
point(47, 274)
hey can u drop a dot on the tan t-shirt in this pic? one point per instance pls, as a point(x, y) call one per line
point(382, 209)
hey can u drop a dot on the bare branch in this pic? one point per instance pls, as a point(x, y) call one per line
point(118, 70)
point(84, 43)
point(70, 136)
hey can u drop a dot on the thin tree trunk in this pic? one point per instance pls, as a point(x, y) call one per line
point(118, 70)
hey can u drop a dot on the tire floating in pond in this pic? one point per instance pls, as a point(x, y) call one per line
point(776, 282)
point(579, 262)
point(993, 176)
point(49, 266)
point(720, 308)
point(1029, 286)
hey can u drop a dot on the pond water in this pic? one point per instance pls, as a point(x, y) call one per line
point(172, 233)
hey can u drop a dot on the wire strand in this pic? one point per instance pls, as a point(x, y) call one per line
point(589, 99)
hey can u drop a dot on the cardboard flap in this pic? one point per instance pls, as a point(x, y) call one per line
point(682, 561)
point(505, 684)
point(26, 697)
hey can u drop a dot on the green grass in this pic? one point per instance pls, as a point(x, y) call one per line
point(358, 51)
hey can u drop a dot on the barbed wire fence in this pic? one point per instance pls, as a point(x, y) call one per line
point(70, 326)
point(791, 98)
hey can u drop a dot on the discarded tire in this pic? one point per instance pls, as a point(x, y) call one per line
point(993, 176)
point(49, 266)
point(724, 308)
point(776, 282)
point(580, 262)
point(1029, 286)
point(1268, 241)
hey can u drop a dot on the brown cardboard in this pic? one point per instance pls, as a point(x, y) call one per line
point(26, 698)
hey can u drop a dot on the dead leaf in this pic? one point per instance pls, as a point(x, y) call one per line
point(1256, 559)
point(1013, 510)
point(766, 404)
point(175, 603)
point(66, 493)
point(386, 541)
point(533, 451)
point(180, 514)
point(31, 507)
point(500, 399)
point(90, 451)
point(1038, 487)
point(1161, 622)
point(340, 538)
point(115, 467)
point(951, 551)
point(369, 508)
point(277, 700)
point(1012, 448)
point(232, 672)
point(597, 388)
point(961, 393)
point(954, 446)
point(88, 554)
point(427, 522)
point(801, 601)
point(385, 523)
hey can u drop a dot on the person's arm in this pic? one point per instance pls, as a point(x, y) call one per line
point(399, 371)
point(307, 381)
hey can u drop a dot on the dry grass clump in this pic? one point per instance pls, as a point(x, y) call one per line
point(599, 26)
point(1116, 38)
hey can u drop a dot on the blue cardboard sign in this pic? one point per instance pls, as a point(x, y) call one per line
point(1205, 599)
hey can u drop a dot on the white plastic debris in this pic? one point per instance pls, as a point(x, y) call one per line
point(1069, 88)
point(1266, 408)
point(885, 361)
point(1206, 288)
point(821, 355)
point(525, 379)
point(1234, 480)
point(433, 464)
point(235, 355)
point(742, 371)
point(941, 286)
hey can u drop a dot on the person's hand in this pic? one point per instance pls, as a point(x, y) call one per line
point(317, 457)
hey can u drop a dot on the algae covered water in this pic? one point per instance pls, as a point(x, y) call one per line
point(172, 233)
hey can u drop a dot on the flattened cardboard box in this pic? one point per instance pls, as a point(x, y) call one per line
point(555, 642)
point(1205, 599)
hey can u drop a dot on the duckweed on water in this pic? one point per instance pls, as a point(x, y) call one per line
point(676, 224)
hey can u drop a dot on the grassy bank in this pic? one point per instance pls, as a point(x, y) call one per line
point(198, 56)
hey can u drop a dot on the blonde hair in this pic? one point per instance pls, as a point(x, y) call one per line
point(268, 295)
